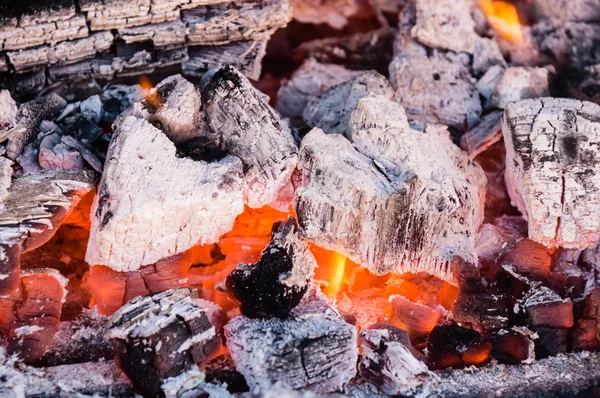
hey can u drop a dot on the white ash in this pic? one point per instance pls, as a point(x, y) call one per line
point(190, 384)
point(25, 330)
point(6, 174)
point(8, 111)
point(152, 204)
point(60, 157)
point(519, 83)
point(551, 159)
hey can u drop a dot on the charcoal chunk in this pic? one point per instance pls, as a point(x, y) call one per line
point(451, 345)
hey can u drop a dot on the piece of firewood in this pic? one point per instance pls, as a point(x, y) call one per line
point(34, 207)
point(545, 307)
point(340, 188)
point(29, 116)
point(417, 319)
point(450, 345)
point(277, 282)
point(551, 157)
point(529, 259)
point(487, 309)
point(315, 351)
point(244, 125)
point(191, 201)
point(308, 81)
point(518, 83)
point(434, 88)
point(386, 360)
point(30, 315)
point(484, 135)
point(513, 346)
point(163, 335)
point(330, 111)
point(585, 335)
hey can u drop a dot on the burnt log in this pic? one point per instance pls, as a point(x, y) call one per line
point(242, 123)
point(386, 361)
point(30, 315)
point(163, 335)
point(314, 351)
point(306, 83)
point(187, 198)
point(339, 186)
point(551, 156)
point(34, 207)
point(277, 282)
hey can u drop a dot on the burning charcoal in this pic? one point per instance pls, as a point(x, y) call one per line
point(529, 259)
point(566, 277)
point(279, 280)
point(334, 13)
point(451, 345)
point(192, 202)
point(30, 315)
point(513, 346)
point(467, 275)
point(519, 83)
point(482, 136)
point(306, 83)
point(493, 241)
point(434, 89)
point(546, 308)
point(585, 335)
point(486, 309)
point(29, 117)
point(571, 43)
point(68, 110)
point(353, 192)
point(486, 54)
point(192, 384)
point(222, 370)
point(243, 124)
point(547, 176)
point(84, 129)
point(175, 104)
point(417, 319)
point(92, 108)
point(33, 209)
point(28, 160)
point(551, 341)
point(163, 335)
point(330, 111)
point(386, 361)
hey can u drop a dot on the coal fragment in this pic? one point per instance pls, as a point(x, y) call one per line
point(451, 345)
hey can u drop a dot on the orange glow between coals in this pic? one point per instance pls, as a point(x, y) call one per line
point(503, 18)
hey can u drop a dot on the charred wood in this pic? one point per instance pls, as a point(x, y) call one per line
point(513, 346)
point(450, 345)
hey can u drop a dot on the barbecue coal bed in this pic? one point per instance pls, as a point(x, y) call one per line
point(202, 198)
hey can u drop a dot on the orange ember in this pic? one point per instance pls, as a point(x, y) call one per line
point(504, 19)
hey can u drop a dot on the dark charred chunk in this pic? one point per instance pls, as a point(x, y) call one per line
point(200, 149)
point(551, 341)
point(222, 370)
point(451, 345)
point(489, 309)
point(511, 346)
point(224, 78)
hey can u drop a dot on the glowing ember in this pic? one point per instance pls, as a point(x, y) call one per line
point(330, 272)
point(504, 19)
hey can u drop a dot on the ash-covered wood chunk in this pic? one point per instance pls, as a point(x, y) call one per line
point(417, 319)
point(545, 307)
point(152, 204)
point(28, 118)
point(30, 315)
point(487, 309)
point(313, 351)
point(451, 345)
point(434, 88)
point(175, 106)
point(277, 282)
point(551, 162)
point(163, 335)
point(585, 335)
point(567, 10)
point(445, 24)
point(8, 110)
point(371, 208)
point(388, 362)
point(306, 83)
point(529, 259)
point(33, 208)
point(243, 124)
point(330, 111)
point(484, 135)
point(513, 346)
point(518, 83)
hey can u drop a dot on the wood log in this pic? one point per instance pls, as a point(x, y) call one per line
point(35, 206)
point(30, 315)
point(407, 236)
point(187, 200)
point(387, 361)
point(277, 282)
point(160, 336)
point(330, 111)
point(28, 119)
point(551, 156)
point(518, 83)
point(243, 124)
point(306, 83)
point(315, 352)
point(415, 76)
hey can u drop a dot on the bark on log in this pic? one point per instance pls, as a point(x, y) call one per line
point(552, 152)
point(152, 204)
point(30, 315)
point(162, 336)
point(243, 124)
point(330, 111)
point(277, 282)
point(306, 83)
point(336, 197)
point(33, 209)
point(315, 352)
